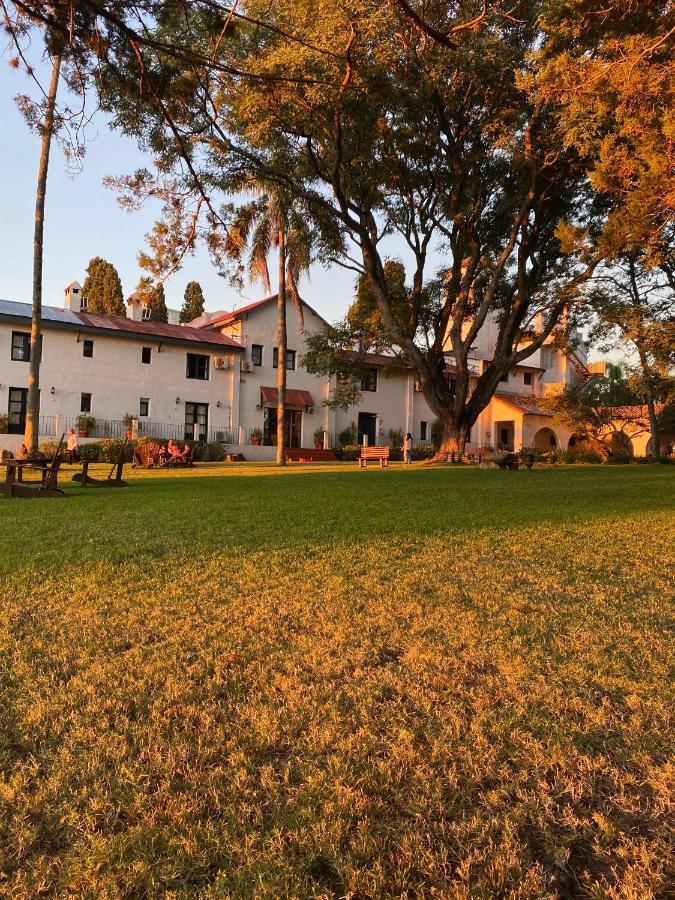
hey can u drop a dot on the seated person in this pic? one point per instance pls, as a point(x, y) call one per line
point(175, 452)
point(165, 455)
point(22, 452)
point(187, 450)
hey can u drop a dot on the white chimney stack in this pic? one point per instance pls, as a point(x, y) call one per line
point(73, 297)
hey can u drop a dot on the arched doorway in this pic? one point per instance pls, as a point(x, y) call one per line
point(545, 440)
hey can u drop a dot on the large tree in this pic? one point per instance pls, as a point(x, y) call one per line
point(379, 132)
point(103, 289)
point(193, 302)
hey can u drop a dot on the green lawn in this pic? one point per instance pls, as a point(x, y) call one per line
point(433, 682)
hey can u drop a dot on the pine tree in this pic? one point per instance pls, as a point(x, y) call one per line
point(158, 310)
point(193, 307)
point(103, 288)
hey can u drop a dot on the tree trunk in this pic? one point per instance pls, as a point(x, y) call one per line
point(453, 443)
point(282, 341)
point(651, 405)
point(33, 406)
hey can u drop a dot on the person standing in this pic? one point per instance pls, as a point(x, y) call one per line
point(72, 447)
point(407, 449)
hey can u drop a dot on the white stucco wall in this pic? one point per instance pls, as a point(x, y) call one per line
point(117, 379)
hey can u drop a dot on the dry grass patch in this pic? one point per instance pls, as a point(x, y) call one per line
point(437, 708)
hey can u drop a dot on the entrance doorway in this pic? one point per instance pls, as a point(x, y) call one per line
point(505, 434)
point(292, 430)
point(367, 426)
point(18, 403)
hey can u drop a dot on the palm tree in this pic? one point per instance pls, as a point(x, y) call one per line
point(47, 129)
point(265, 222)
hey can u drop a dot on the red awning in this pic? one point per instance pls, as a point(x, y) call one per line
point(293, 397)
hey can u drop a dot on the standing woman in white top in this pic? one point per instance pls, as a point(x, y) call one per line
point(73, 450)
point(407, 449)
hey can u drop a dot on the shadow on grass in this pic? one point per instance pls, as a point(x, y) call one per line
point(191, 513)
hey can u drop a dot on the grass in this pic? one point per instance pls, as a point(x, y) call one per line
point(240, 682)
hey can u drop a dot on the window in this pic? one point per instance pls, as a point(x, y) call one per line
point(423, 431)
point(196, 414)
point(256, 354)
point(84, 303)
point(505, 377)
point(369, 380)
point(144, 407)
point(21, 346)
point(16, 418)
point(146, 355)
point(452, 384)
point(147, 312)
point(527, 379)
point(197, 366)
point(85, 403)
point(88, 348)
point(290, 358)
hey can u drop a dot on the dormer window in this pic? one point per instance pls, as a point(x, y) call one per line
point(84, 303)
point(147, 312)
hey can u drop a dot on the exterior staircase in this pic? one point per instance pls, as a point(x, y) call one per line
point(586, 372)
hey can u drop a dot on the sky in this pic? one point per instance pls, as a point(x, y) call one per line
point(83, 220)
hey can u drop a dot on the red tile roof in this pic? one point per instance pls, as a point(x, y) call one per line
point(524, 403)
point(294, 397)
point(376, 359)
point(221, 317)
point(176, 333)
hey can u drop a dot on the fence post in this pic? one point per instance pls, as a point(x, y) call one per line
point(241, 436)
point(365, 440)
point(326, 441)
point(195, 432)
point(59, 425)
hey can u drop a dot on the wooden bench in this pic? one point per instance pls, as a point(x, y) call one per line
point(146, 454)
point(15, 486)
point(372, 453)
point(86, 480)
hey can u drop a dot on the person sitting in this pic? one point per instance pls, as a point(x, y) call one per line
point(22, 452)
point(187, 450)
point(165, 455)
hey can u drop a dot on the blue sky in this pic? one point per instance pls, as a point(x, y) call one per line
point(84, 220)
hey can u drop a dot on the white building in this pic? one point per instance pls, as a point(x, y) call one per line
point(216, 379)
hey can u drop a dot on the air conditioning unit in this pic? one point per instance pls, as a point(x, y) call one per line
point(220, 362)
point(246, 366)
point(418, 387)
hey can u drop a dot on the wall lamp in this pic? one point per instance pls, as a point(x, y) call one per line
point(53, 391)
point(218, 403)
point(177, 400)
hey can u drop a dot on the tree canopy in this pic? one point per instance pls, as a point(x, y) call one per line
point(193, 302)
point(103, 289)
point(153, 297)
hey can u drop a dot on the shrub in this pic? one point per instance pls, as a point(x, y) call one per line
point(574, 457)
point(348, 452)
point(619, 458)
point(214, 451)
point(318, 435)
point(422, 451)
point(85, 422)
point(347, 437)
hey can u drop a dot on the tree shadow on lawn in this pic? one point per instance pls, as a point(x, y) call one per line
point(183, 515)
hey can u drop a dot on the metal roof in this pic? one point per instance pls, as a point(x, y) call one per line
point(119, 326)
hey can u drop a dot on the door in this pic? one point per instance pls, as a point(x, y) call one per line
point(16, 411)
point(368, 427)
point(196, 414)
point(293, 428)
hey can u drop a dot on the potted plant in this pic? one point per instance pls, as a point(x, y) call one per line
point(4, 424)
point(85, 423)
point(318, 438)
point(256, 436)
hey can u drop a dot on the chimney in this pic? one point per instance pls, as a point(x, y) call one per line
point(73, 297)
point(135, 307)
